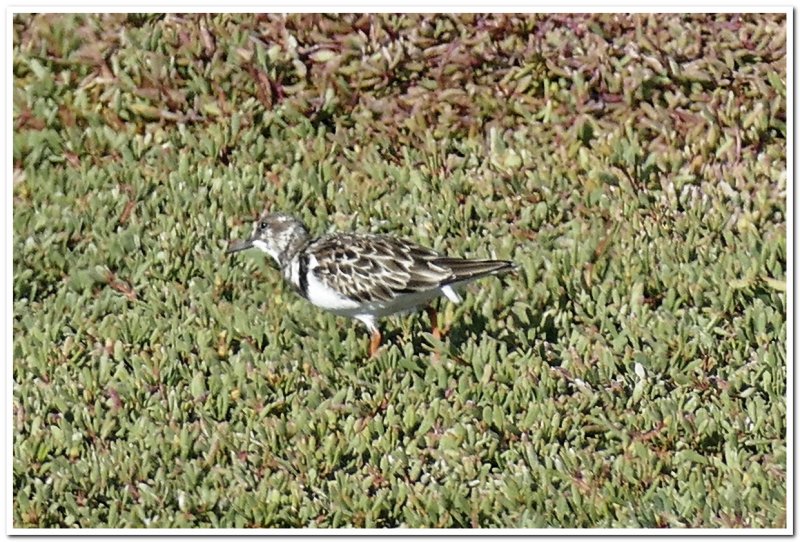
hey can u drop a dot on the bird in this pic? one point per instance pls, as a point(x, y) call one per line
point(361, 275)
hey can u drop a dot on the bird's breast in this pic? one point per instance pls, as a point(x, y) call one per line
point(325, 297)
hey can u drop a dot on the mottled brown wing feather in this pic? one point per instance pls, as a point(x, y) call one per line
point(375, 267)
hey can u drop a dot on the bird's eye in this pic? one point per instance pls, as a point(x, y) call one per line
point(262, 226)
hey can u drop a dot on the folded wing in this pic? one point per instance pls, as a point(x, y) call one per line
point(375, 268)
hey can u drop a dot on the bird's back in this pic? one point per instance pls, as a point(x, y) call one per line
point(379, 268)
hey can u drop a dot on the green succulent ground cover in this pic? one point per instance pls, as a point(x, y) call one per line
point(633, 373)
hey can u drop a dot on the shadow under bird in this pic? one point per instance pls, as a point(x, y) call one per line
point(363, 276)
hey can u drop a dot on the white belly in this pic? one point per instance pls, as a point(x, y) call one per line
point(328, 299)
point(325, 298)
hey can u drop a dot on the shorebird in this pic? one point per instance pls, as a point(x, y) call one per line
point(363, 276)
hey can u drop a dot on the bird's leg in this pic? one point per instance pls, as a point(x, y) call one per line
point(374, 342)
point(435, 331)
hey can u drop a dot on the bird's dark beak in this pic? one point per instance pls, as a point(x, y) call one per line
point(238, 246)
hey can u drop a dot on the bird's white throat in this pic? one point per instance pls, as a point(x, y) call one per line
point(264, 247)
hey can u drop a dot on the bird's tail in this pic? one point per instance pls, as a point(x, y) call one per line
point(464, 270)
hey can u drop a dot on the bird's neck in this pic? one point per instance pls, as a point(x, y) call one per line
point(294, 267)
point(298, 240)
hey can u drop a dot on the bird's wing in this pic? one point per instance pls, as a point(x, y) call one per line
point(369, 268)
point(465, 270)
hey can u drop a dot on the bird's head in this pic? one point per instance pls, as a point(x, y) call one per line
point(278, 234)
